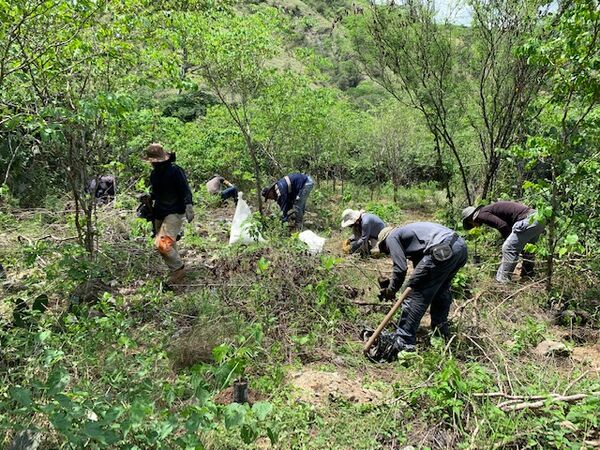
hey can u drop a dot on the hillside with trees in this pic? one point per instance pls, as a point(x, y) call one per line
point(389, 108)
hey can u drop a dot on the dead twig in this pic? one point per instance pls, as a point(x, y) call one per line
point(520, 402)
point(518, 291)
point(540, 403)
point(460, 308)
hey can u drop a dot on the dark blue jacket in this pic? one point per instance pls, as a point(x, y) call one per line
point(169, 189)
point(287, 196)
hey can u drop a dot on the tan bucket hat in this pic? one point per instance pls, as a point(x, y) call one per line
point(155, 153)
point(382, 236)
point(468, 214)
point(350, 217)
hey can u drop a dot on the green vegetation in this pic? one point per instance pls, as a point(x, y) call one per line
point(390, 109)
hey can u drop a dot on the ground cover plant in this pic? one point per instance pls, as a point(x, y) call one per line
point(390, 108)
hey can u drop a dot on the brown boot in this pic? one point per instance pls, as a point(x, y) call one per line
point(178, 275)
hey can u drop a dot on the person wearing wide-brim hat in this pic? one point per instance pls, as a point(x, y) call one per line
point(517, 225)
point(171, 203)
point(437, 253)
point(365, 228)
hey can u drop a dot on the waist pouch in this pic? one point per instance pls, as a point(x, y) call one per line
point(443, 251)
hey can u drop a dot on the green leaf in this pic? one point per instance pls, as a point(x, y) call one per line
point(571, 239)
point(262, 410)
point(249, 433)
point(57, 381)
point(235, 415)
point(21, 395)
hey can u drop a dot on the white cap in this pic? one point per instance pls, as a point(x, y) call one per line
point(350, 217)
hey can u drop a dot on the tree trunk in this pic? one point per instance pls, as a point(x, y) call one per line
point(552, 230)
point(256, 164)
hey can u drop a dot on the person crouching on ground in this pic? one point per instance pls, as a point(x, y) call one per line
point(215, 186)
point(291, 193)
point(516, 224)
point(365, 229)
point(172, 202)
point(437, 253)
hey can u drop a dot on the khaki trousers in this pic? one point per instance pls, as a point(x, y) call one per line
point(166, 239)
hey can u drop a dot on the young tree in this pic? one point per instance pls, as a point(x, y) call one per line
point(503, 82)
point(566, 145)
point(457, 76)
point(413, 56)
point(233, 54)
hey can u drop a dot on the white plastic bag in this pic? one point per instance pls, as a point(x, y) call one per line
point(315, 243)
point(240, 226)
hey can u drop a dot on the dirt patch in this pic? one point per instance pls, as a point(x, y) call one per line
point(319, 387)
point(589, 355)
point(225, 397)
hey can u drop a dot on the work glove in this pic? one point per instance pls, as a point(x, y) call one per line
point(189, 213)
point(346, 246)
point(387, 294)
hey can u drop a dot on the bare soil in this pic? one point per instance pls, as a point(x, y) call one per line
point(319, 388)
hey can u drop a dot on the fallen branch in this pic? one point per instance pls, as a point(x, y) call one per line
point(520, 402)
point(372, 303)
point(540, 403)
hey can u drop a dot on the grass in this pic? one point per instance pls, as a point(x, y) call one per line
point(148, 363)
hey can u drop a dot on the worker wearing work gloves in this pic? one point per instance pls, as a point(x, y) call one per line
point(365, 228)
point(517, 225)
point(437, 253)
point(291, 193)
point(215, 186)
point(172, 202)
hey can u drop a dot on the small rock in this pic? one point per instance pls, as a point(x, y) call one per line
point(338, 360)
point(552, 348)
point(408, 447)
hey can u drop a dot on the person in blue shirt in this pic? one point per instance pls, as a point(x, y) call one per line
point(291, 193)
point(365, 228)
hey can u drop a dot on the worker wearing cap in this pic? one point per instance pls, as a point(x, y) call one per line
point(365, 228)
point(172, 202)
point(291, 193)
point(437, 253)
point(517, 225)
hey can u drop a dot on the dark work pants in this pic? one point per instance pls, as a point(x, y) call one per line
point(432, 288)
point(230, 192)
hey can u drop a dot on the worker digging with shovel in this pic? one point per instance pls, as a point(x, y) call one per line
point(437, 253)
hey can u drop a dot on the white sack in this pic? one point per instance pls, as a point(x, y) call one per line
point(315, 243)
point(240, 226)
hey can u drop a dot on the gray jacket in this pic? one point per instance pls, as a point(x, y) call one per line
point(370, 227)
point(413, 241)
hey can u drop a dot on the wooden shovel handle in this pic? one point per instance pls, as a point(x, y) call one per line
point(386, 319)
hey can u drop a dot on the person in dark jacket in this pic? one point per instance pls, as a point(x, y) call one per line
point(365, 229)
point(517, 225)
point(291, 193)
point(172, 202)
point(437, 253)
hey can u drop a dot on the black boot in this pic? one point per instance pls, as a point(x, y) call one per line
point(386, 348)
